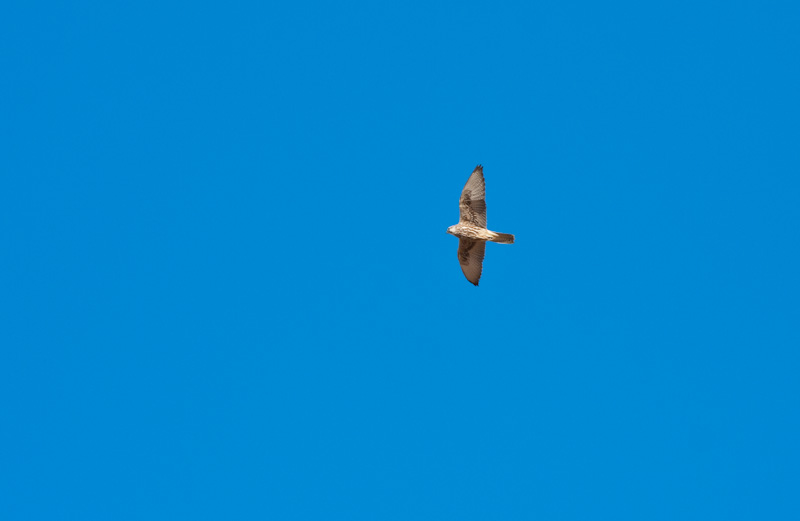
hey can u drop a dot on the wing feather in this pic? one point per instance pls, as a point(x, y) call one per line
point(470, 257)
point(472, 205)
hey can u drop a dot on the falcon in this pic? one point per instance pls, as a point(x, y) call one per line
point(471, 228)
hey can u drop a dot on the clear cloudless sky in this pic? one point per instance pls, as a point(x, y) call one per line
point(227, 291)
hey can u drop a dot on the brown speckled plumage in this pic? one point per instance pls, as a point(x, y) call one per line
point(471, 228)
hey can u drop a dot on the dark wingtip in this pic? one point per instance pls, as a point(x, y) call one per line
point(479, 168)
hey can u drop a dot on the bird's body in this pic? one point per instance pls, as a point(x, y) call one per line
point(471, 228)
point(469, 231)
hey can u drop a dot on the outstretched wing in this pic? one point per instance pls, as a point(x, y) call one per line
point(472, 205)
point(470, 256)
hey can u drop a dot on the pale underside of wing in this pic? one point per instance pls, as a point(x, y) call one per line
point(472, 205)
point(470, 257)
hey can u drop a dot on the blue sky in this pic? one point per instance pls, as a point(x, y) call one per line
point(227, 290)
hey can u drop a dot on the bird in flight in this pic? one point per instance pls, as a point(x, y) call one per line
point(471, 228)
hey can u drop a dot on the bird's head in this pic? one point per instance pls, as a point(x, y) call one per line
point(450, 230)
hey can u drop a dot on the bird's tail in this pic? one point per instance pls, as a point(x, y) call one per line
point(502, 238)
